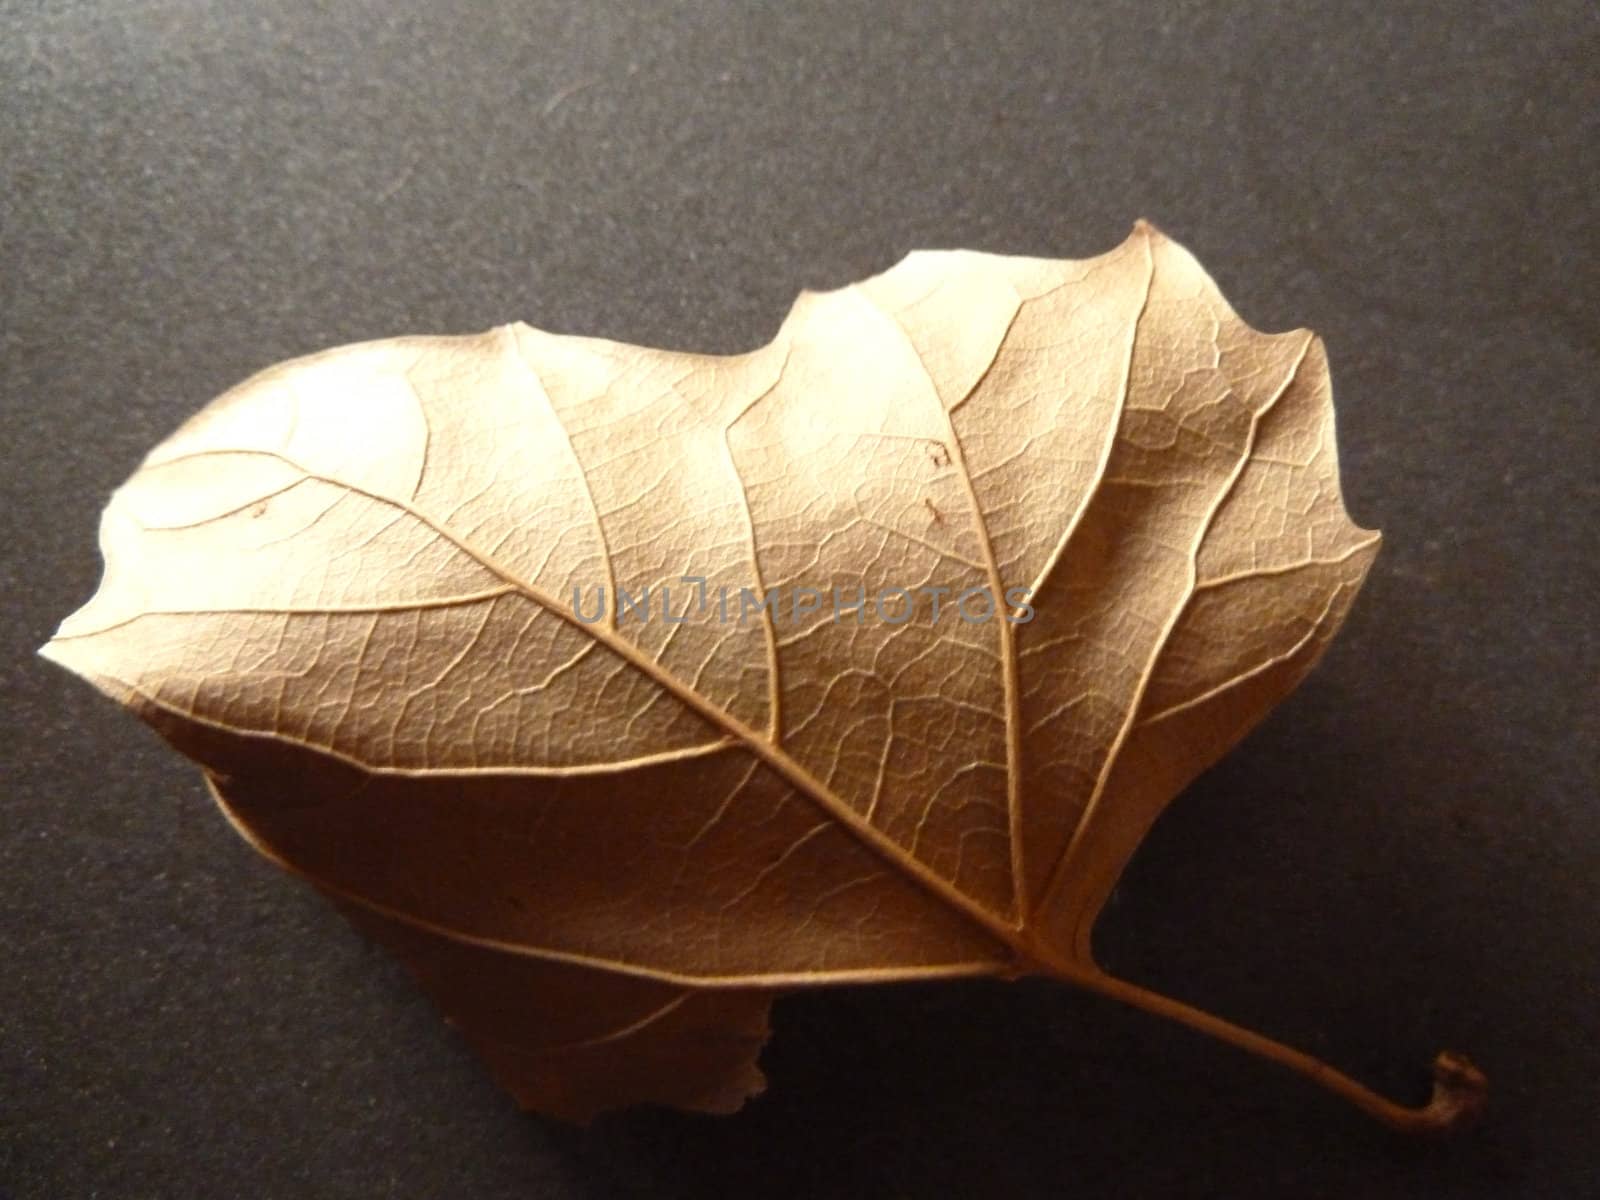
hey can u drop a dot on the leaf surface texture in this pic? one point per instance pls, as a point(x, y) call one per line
point(355, 587)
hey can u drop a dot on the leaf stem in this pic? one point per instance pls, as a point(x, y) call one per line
point(1459, 1088)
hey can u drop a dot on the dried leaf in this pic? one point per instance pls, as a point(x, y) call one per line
point(376, 593)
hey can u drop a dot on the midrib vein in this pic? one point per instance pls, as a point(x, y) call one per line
point(768, 751)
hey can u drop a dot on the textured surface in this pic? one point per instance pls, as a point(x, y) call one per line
point(1411, 844)
point(979, 561)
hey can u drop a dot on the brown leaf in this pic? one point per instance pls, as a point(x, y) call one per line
point(365, 590)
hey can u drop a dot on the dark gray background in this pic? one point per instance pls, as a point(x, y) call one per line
point(1406, 856)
